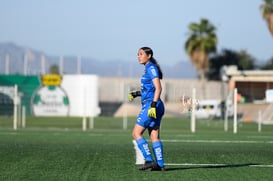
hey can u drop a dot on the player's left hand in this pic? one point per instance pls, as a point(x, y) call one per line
point(152, 110)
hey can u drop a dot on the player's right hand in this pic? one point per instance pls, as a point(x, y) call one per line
point(130, 97)
point(133, 95)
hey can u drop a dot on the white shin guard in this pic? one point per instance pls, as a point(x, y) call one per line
point(139, 156)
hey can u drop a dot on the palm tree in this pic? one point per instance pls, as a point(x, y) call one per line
point(267, 13)
point(201, 42)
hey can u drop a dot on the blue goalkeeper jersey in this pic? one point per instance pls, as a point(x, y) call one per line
point(147, 86)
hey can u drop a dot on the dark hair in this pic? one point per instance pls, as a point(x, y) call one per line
point(149, 51)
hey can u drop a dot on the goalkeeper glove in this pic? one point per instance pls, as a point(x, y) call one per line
point(152, 110)
point(133, 95)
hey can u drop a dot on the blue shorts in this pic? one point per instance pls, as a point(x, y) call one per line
point(144, 120)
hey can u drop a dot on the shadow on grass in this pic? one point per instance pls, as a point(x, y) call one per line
point(211, 166)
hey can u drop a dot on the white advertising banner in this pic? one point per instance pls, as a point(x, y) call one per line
point(82, 91)
point(69, 95)
point(50, 101)
point(269, 95)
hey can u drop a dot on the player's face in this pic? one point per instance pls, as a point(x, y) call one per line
point(143, 58)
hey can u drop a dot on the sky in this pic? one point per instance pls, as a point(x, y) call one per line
point(114, 30)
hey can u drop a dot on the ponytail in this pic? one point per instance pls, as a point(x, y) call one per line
point(158, 67)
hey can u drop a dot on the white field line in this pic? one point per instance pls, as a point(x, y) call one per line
point(259, 137)
point(215, 141)
point(216, 165)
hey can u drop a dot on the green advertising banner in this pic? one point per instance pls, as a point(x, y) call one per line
point(27, 85)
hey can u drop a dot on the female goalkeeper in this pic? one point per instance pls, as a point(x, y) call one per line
point(152, 111)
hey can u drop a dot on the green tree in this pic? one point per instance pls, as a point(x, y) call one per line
point(268, 65)
point(201, 42)
point(267, 13)
point(241, 59)
point(54, 69)
point(245, 61)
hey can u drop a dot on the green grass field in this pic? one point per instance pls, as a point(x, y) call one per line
point(57, 149)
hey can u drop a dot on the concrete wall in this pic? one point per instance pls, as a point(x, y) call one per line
point(116, 89)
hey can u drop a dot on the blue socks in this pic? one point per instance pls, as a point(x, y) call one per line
point(144, 147)
point(158, 151)
point(157, 148)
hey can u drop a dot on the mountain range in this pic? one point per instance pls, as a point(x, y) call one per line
point(12, 61)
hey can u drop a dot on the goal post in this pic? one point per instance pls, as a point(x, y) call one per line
point(15, 107)
point(19, 110)
point(235, 121)
point(193, 119)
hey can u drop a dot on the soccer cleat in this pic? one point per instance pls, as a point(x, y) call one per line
point(148, 166)
point(158, 168)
